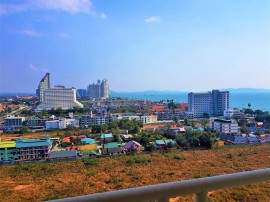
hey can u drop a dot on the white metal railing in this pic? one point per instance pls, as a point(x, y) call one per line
point(162, 192)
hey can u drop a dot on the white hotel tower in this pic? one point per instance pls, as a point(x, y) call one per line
point(212, 103)
point(59, 97)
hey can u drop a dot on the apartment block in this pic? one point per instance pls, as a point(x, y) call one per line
point(212, 103)
point(224, 126)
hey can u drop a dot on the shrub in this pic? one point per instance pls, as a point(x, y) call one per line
point(92, 173)
point(177, 157)
point(52, 197)
point(138, 159)
point(90, 161)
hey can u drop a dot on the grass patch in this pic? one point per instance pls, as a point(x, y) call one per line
point(177, 157)
point(138, 159)
point(52, 197)
point(91, 173)
point(90, 161)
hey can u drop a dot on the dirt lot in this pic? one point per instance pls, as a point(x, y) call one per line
point(8, 137)
point(40, 181)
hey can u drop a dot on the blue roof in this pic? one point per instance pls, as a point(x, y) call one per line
point(88, 140)
point(159, 142)
point(43, 142)
point(106, 135)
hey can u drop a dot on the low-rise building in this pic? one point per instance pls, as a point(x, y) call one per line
point(13, 122)
point(224, 126)
point(147, 119)
point(8, 151)
point(33, 149)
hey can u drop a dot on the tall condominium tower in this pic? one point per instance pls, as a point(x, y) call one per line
point(59, 97)
point(43, 85)
point(99, 90)
point(212, 103)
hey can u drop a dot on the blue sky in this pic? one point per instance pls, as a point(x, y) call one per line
point(136, 44)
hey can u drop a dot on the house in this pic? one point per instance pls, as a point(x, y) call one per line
point(106, 138)
point(132, 146)
point(253, 139)
point(112, 148)
point(264, 138)
point(88, 141)
point(176, 130)
point(219, 142)
point(165, 144)
point(63, 154)
point(126, 137)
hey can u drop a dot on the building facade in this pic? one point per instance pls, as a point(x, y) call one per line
point(33, 149)
point(208, 103)
point(43, 85)
point(59, 97)
point(13, 122)
point(224, 126)
point(8, 151)
point(100, 90)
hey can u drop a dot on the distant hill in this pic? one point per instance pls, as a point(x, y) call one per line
point(248, 90)
point(16, 94)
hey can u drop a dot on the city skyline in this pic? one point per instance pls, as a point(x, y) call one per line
point(137, 45)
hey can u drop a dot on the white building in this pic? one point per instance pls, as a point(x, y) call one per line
point(234, 113)
point(146, 119)
point(59, 97)
point(54, 124)
point(224, 126)
point(61, 124)
point(212, 103)
point(13, 122)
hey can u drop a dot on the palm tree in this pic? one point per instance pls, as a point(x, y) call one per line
point(249, 105)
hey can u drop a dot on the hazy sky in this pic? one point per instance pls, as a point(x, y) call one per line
point(136, 44)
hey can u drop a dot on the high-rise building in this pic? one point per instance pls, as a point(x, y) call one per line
point(99, 90)
point(59, 97)
point(43, 85)
point(212, 103)
point(82, 93)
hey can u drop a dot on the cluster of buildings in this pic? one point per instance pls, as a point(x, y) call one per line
point(99, 90)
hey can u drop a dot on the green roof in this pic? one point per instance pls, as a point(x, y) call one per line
point(8, 144)
point(110, 145)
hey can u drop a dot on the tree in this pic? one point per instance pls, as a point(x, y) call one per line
point(104, 128)
point(245, 130)
point(206, 141)
point(186, 121)
point(175, 119)
point(205, 115)
point(249, 105)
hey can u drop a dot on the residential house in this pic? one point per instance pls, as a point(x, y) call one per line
point(165, 144)
point(132, 146)
point(106, 138)
point(112, 148)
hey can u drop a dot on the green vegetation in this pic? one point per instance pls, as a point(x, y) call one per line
point(138, 159)
point(90, 161)
point(92, 173)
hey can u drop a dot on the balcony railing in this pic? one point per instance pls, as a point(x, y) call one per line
point(163, 192)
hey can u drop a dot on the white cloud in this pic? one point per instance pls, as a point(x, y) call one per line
point(30, 32)
point(37, 69)
point(103, 16)
point(62, 34)
point(70, 6)
point(153, 19)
